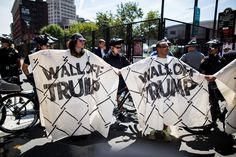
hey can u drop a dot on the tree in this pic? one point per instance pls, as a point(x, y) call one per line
point(128, 12)
point(104, 20)
point(53, 30)
point(85, 28)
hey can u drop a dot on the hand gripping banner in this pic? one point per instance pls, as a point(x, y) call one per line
point(76, 95)
point(167, 91)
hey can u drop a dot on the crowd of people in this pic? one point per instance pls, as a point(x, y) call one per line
point(11, 67)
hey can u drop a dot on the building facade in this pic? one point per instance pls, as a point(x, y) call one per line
point(29, 16)
point(61, 12)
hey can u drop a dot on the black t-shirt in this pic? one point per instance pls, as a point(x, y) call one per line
point(119, 62)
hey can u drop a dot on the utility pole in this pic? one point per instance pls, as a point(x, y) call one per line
point(214, 23)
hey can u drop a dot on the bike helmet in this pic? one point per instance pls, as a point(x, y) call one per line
point(214, 43)
point(45, 39)
point(6, 39)
point(116, 41)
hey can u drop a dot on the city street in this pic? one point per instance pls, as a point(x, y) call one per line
point(123, 140)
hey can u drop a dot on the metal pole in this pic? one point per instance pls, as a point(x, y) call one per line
point(214, 23)
point(194, 15)
point(160, 35)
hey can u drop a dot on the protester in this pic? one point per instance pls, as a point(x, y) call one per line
point(158, 86)
point(193, 57)
point(101, 50)
point(10, 65)
point(209, 66)
point(117, 60)
point(76, 89)
point(155, 53)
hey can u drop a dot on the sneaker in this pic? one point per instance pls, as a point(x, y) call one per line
point(167, 136)
point(152, 135)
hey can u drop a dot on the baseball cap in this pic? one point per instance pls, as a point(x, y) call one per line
point(77, 36)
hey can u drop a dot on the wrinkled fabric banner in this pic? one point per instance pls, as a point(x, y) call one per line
point(226, 83)
point(167, 91)
point(76, 95)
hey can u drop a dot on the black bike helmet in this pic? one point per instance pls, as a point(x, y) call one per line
point(116, 41)
point(6, 39)
point(45, 39)
point(214, 43)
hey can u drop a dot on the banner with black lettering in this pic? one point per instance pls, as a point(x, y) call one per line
point(76, 95)
point(226, 83)
point(167, 91)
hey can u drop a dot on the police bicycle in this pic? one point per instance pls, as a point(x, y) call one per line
point(18, 110)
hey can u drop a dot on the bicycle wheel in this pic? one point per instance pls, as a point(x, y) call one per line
point(20, 112)
point(2, 114)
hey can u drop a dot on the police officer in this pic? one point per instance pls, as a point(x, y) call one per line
point(209, 66)
point(117, 60)
point(193, 57)
point(42, 42)
point(10, 65)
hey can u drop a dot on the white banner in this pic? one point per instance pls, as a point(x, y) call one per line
point(167, 91)
point(226, 83)
point(76, 95)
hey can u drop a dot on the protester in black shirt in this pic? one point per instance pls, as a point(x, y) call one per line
point(10, 66)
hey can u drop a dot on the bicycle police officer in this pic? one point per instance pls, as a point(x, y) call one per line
point(209, 66)
point(10, 66)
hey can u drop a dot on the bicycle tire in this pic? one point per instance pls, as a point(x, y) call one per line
point(2, 115)
point(20, 112)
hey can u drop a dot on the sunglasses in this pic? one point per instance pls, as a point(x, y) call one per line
point(162, 47)
point(118, 47)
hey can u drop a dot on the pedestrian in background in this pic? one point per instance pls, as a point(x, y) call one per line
point(10, 65)
point(193, 57)
point(101, 49)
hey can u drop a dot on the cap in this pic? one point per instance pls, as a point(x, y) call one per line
point(77, 36)
point(214, 43)
point(116, 41)
point(6, 39)
point(101, 40)
point(192, 43)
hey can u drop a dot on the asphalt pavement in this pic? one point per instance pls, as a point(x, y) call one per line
point(123, 141)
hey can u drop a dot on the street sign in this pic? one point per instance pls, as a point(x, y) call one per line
point(196, 20)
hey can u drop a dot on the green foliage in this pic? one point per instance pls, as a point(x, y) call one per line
point(128, 12)
point(53, 30)
point(104, 20)
point(85, 28)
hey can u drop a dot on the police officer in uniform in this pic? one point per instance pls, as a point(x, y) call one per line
point(10, 65)
point(117, 60)
point(42, 42)
point(209, 66)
